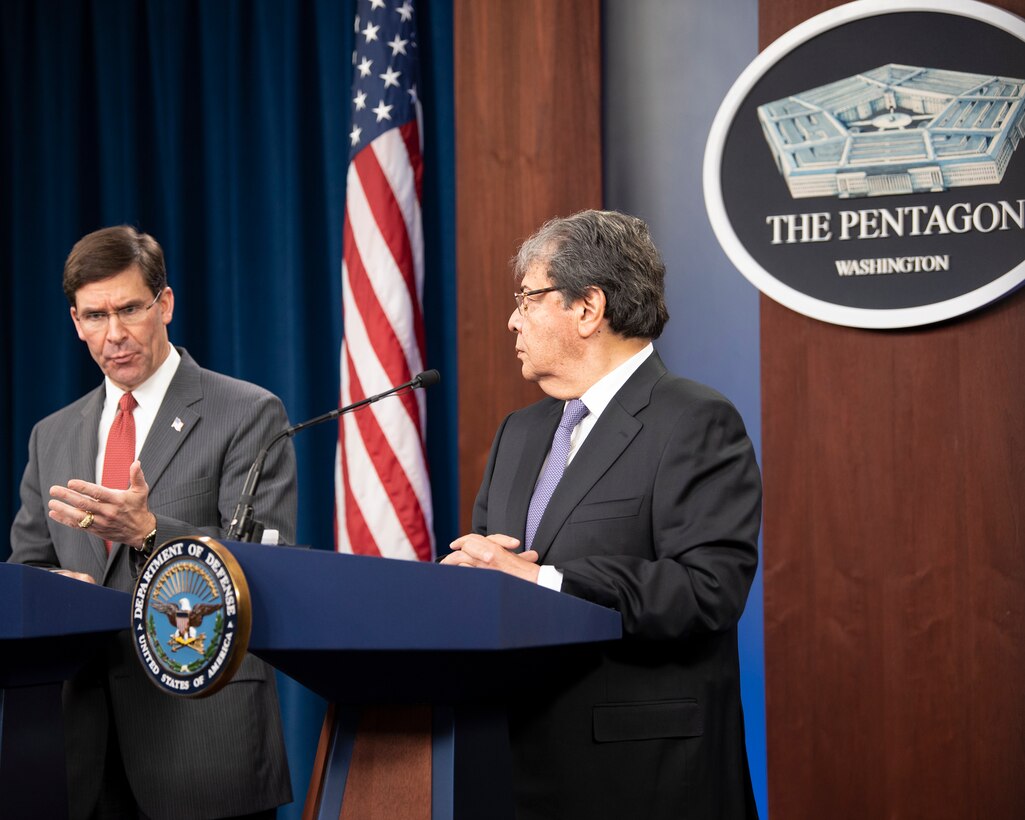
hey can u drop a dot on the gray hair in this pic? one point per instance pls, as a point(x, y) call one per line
point(608, 250)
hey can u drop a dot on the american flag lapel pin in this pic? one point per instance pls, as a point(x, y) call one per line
point(177, 424)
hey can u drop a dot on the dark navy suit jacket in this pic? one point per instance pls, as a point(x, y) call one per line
point(657, 516)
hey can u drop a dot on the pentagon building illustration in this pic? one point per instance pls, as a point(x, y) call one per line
point(896, 129)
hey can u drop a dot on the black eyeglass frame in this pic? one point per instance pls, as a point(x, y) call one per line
point(523, 294)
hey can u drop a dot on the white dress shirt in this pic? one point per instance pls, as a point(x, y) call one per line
point(149, 395)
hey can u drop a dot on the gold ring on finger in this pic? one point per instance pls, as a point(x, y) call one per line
point(87, 521)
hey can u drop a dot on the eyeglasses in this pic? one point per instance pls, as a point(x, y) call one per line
point(96, 320)
point(521, 298)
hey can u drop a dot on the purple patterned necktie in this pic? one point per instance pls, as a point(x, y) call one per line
point(554, 467)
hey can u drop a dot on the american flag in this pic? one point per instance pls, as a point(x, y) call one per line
point(382, 493)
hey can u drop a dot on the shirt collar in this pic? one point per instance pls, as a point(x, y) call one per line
point(599, 394)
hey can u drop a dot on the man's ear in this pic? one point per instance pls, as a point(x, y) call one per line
point(591, 311)
point(166, 303)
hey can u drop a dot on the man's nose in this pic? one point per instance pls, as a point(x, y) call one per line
point(515, 319)
point(115, 329)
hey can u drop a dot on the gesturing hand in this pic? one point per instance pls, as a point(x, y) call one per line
point(118, 516)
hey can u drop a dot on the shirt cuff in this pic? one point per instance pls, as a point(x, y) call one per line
point(549, 576)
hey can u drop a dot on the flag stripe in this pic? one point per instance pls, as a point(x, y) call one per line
point(411, 135)
point(403, 168)
point(383, 338)
point(357, 536)
point(377, 343)
point(389, 216)
point(374, 528)
point(397, 421)
point(366, 244)
point(382, 490)
point(391, 475)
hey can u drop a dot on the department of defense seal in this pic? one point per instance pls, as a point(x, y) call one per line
point(191, 616)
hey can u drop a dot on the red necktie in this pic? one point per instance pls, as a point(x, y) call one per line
point(120, 452)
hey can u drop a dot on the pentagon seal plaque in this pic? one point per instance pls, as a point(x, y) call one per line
point(191, 616)
point(867, 168)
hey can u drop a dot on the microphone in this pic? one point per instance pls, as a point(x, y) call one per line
point(243, 525)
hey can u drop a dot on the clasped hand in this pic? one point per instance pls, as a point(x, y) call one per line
point(494, 552)
point(118, 516)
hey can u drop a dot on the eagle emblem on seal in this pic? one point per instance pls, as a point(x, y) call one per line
point(185, 618)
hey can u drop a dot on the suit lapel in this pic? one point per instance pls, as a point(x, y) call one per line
point(83, 455)
point(612, 434)
point(83, 460)
point(174, 422)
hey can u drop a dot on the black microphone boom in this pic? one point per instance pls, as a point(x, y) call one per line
point(243, 526)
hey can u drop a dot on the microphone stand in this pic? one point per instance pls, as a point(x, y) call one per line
point(244, 526)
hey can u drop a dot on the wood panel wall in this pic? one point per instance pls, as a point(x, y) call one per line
point(894, 557)
point(528, 147)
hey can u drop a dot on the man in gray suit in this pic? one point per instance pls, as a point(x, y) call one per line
point(637, 490)
point(133, 751)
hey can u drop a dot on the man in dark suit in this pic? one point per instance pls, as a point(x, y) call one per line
point(108, 478)
point(656, 515)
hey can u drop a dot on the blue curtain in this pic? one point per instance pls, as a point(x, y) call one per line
point(220, 128)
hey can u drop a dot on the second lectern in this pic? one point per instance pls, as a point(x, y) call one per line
point(370, 631)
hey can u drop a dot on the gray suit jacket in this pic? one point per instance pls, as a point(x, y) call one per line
point(657, 516)
point(216, 757)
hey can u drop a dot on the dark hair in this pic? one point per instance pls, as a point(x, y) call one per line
point(607, 250)
point(110, 251)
